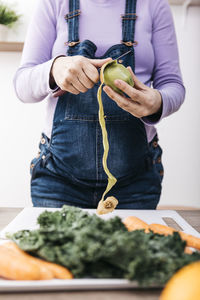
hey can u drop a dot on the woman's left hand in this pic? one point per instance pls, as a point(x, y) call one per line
point(143, 101)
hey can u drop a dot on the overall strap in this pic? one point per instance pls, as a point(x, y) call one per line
point(72, 19)
point(128, 23)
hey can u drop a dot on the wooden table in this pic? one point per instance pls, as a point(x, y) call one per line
point(6, 216)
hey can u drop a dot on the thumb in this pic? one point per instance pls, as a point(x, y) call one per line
point(138, 84)
point(99, 62)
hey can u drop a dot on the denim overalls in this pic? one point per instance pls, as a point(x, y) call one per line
point(68, 169)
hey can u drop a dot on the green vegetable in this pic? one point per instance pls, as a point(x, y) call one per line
point(111, 71)
point(7, 15)
point(92, 247)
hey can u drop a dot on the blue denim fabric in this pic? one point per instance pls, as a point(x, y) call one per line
point(69, 169)
point(51, 189)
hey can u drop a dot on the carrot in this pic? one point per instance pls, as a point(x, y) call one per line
point(12, 266)
point(188, 250)
point(45, 273)
point(134, 223)
point(191, 240)
point(58, 271)
point(48, 270)
point(161, 229)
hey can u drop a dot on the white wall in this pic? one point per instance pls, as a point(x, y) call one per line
point(21, 124)
point(180, 133)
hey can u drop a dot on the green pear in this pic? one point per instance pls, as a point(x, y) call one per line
point(111, 71)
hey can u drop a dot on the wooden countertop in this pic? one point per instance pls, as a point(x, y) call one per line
point(11, 46)
point(6, 216)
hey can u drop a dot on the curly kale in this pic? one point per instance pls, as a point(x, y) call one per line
point(92, 247)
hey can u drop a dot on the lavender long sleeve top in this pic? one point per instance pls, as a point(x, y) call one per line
point(156, 54)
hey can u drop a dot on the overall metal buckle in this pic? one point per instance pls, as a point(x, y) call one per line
point(130, 43)
point(71, 44)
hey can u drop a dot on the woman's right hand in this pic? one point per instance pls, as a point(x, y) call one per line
point(76, 74)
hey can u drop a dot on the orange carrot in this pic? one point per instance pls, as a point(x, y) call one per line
point(12, 266)
point(48, 270)
point(191, 240)
point(45, 273)
point(58, 271)
point(188, 250)
point(134, 223)
point(161, 229)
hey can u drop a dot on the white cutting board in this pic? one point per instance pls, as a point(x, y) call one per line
point(27, 219)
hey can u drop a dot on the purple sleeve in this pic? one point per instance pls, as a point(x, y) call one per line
point(31, 80)
point(167, 75)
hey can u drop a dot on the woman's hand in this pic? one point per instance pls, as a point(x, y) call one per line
point(76, 74)
point(143, 101)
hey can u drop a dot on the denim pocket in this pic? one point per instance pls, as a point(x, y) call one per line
point(33, 165)
point(41, 156)
point(49, 164)
point(156, 152)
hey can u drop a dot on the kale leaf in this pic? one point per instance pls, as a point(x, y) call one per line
point(92, 247)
